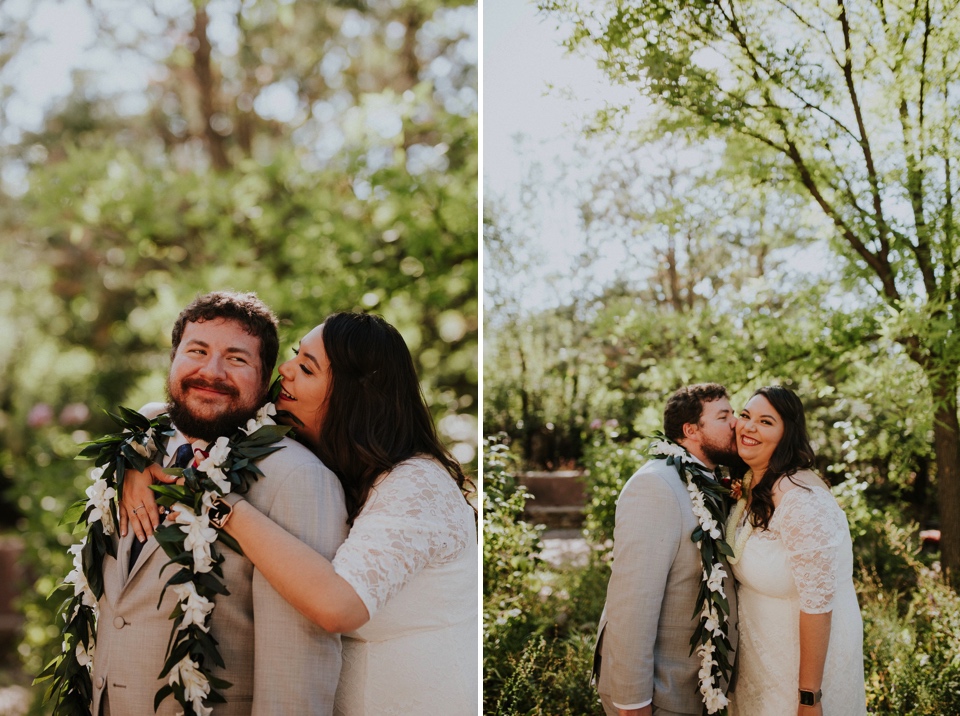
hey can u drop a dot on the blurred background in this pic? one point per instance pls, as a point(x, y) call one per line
point(323, 155)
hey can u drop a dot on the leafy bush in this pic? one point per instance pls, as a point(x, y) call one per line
point(881, 542)
point(912, 655)
point(510, 545)
point(610, 464)
point(539, 625)
point(540, 661)
point(549, 677)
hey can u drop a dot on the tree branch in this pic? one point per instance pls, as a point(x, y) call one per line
point(864, 141)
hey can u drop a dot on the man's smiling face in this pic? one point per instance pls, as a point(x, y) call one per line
point(214, 382)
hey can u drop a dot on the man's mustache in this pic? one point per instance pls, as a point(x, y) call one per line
point(217, 385)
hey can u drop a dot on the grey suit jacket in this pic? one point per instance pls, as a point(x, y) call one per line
point(276, 659)
point(643, 644)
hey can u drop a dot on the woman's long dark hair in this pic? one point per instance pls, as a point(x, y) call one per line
point(376, 415)
point(793, 452)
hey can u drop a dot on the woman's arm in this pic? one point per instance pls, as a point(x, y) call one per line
point(138, 496)
point(812, 529)
point(814, 640)
point(301, 576)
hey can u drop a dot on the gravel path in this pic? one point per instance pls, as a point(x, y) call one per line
point(565, 548)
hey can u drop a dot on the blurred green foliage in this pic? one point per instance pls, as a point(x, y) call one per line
point(364, 198)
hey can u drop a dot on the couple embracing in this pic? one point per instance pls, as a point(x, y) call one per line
point(358, 528)
point(762, 589)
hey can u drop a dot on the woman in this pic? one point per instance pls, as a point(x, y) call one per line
point(801, 635)
point(403, 586)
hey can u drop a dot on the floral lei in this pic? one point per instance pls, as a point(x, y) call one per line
point(710, 639)
point(227, 466)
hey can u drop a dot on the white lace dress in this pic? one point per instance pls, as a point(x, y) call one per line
point(803, 562)
point(412, 557)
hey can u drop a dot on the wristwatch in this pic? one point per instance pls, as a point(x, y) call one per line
point(810, 698)
point(220, 512)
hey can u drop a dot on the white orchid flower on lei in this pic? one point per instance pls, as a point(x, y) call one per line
point(99, 496)
point(668, 449)
point(196, 687)
point(195, 607)
point(210, 465)
point(264, 417)
point(200, 535)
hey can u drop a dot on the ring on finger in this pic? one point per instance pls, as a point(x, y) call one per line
point(139, 507)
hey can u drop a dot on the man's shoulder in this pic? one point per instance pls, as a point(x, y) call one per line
point(654, 470)
point(653, 477)
point(152, 410)
point(291, 455)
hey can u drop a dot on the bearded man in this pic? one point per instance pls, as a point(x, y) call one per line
point(225, 347)
point(643, 663)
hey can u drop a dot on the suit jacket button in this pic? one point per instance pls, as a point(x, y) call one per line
point(118, 622)
point(99, 682)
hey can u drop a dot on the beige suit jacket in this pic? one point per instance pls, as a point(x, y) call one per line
point(643, 644)
point(277, 660)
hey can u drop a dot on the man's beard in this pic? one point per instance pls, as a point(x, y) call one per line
point(226, 423)
point(722, 454)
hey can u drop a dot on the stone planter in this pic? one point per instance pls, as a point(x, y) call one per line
point(559, 498)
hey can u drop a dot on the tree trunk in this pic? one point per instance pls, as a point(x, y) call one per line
point(921, 485)
point(203, 72)
point(946, 445)
point(525, 407)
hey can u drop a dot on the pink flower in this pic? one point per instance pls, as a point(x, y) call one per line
point(74, 414)
point(40, 414)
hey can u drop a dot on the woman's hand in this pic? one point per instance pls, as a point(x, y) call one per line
point(138, 508)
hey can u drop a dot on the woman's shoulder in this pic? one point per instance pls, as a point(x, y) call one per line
point(417, 474)
point(803, 480)
point(413, 486)
point(418, 467)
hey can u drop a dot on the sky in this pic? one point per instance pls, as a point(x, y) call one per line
point(534, 88)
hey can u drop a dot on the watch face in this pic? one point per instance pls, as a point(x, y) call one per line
point(808, 698)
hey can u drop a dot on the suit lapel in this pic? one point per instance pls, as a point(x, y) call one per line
point(151, 545)
point(149, 548)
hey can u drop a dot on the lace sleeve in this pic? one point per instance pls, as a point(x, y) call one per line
point(812, 528)
point(415, 516)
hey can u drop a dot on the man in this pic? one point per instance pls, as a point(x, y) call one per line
point(224, 350)
point(644, 666)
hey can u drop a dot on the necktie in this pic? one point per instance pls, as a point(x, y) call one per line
point(181, 458)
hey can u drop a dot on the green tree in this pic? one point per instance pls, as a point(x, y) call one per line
point(857, 99)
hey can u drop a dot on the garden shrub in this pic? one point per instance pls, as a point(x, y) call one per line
point(609, 465)
point(549, 677)
point(510, 545)
point(882, 542)
point(911, 655)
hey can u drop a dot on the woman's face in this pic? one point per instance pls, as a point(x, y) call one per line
point(305, 386)
point(759, 431)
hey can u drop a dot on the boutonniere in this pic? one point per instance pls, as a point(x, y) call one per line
point(734, 485)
